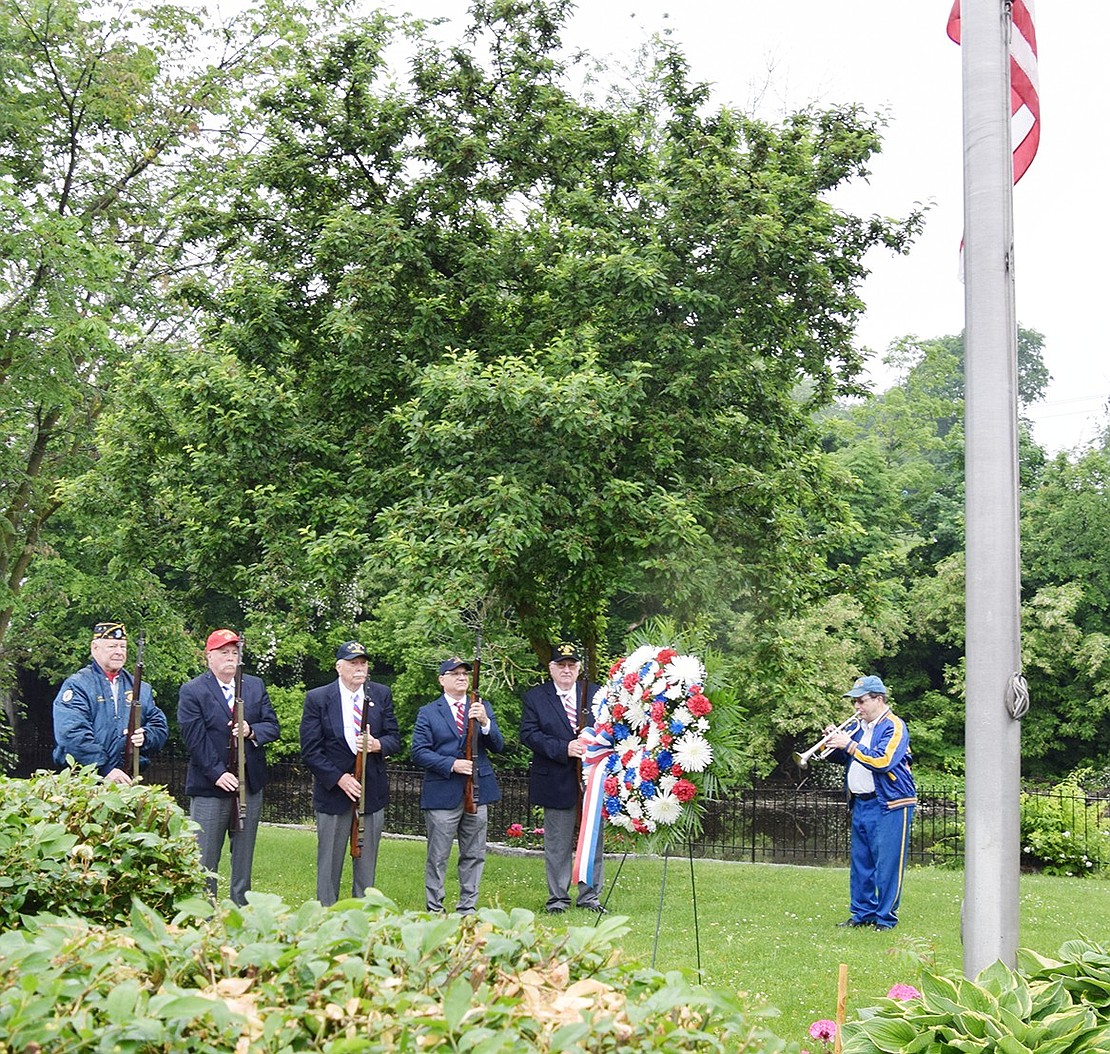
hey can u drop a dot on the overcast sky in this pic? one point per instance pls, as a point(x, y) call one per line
point(894, 55)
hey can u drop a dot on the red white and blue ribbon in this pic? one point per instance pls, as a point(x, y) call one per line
point(599, 745)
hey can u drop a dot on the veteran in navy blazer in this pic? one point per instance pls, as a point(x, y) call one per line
point(553, 715)
point(204, 712)
point(335, 716)
point(439, 748)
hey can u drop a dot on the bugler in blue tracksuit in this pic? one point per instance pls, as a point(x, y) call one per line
point(92, 708)
point(882, 797)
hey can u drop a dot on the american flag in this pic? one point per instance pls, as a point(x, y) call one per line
point(1025, 100)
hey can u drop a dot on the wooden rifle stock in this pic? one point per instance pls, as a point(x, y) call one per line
point(358, 808)
point(134, 715)
point(470, 803)
point(238, 750)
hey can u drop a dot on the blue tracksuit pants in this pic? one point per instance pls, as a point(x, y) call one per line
point(880, 845)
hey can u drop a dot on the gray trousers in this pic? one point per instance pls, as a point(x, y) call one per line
point(444, 826)
point(333, 843)
point(560, 839)
point(214, 816)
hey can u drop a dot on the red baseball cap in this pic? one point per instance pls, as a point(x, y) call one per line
point(218, 638)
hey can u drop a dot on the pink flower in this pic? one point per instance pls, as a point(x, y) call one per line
point(515, 830)
point(699, 706)
point(649, 769)
point(903, 992)
point(630, 681)
point(537, 830)
point(824, 1030)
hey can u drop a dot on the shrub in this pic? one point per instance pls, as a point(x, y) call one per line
point(1061, 833)
point(358, 976)
point(72, 843)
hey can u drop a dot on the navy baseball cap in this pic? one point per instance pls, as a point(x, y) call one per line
point(350, 650)
point(452, 663)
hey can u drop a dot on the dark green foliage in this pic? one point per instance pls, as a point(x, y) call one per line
point(359, 976)
point(73, 843)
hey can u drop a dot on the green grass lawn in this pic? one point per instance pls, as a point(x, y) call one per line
point(763, 929)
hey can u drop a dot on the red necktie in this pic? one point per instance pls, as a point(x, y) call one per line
point(460, 715)
point(356, 703)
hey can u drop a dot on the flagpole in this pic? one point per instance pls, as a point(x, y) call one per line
point(993, 586)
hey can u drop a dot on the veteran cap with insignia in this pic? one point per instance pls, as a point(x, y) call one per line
point(350, 650)
point(218, 638)
point(452, 663)
point(565, 652)
point(109, 631)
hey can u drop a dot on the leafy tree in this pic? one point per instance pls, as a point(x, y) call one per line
point(550, 359)
point(105, 121)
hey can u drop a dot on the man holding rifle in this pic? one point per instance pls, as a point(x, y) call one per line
point(348, 728)
point(93, 708)
point(451, 743)
point(206, 708)
point(553, 715)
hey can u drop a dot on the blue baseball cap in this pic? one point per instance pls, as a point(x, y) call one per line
point(870, 685)
point(452, 663)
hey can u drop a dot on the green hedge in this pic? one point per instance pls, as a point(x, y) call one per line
point(358, 976)
point(71, 843)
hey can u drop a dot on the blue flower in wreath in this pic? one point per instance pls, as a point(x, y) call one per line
point(612, 763)
point(677, 727)
point(647, 789)
point(613, 805)
point(621, 731)
point(664, 760)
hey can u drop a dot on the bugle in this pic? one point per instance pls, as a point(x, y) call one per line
point(819, 748)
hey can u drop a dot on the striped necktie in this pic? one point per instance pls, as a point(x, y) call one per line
point(571, 708)
point(356, 706)
point(460, 715)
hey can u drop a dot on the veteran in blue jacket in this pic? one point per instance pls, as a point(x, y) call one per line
point(336, 717)
point(553, 715)
point(439, 747)
point(205, 712)
point(92, 709)
point(882, 797)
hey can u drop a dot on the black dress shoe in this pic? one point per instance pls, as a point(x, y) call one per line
point(597, 909)
point(555, 910)
point(854, 923)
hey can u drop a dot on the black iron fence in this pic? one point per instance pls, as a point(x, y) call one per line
point(772, 824)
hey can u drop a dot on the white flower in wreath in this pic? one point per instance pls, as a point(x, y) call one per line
point(686, 669)
point(664, 808)
point(635, 808)
point(644, 653)
point(682, 716)
point(693, 752)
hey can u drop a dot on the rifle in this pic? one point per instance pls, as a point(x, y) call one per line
point(469, 803)
point(237, 751)
point(134, 715)
point(583, 687)
point(358, 808)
